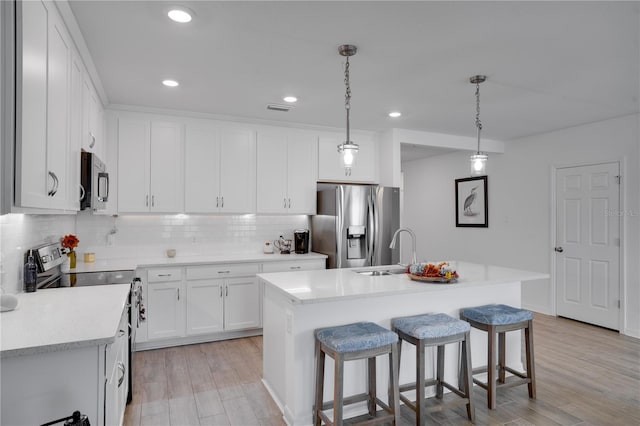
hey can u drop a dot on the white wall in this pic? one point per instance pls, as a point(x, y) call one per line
point(520, 205)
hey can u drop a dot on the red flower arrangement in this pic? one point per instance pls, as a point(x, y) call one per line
point(70, 241)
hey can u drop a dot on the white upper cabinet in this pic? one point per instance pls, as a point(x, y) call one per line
point(330, 168)
point(42, 151)
point(219, 170)
point(75, 131)
point(286, 172)
point(92, 121)
point(149, 166)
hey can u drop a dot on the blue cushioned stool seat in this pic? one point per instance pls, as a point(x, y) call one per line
point(497, 314)
point(356, 337)
point(431, 326)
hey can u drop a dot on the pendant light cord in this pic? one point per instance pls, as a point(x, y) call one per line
point(347, 96)
point(478, 123)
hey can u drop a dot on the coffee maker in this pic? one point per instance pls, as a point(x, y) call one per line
point(301, 241)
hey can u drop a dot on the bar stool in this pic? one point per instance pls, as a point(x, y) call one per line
point(499, 319)
point(362, 340)
point(435, 330)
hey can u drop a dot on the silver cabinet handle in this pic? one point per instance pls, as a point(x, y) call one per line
point(123, 370)
point(83, 193)
point(289, 202)
point(153, 201)
point(56, 182)
point(146, 201)
point(285, 203)
point(120, 333)
point(224, 272)
point(93, 140)
point(295, 267)
point(559, 249)
point(164, 275)
point(226, 290)
point(217, 202)
point(178, 292)
point(220, 291)
point(222, 203)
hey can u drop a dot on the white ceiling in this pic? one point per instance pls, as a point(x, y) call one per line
point(550, 65)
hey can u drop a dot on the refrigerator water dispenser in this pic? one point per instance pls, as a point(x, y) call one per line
point(356, 243)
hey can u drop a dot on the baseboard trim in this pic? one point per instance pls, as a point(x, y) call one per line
point(190, 340)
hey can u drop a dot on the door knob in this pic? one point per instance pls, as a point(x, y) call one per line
point(559, 249)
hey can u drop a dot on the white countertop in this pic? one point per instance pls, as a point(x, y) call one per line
point(334, 284)
point(133, 262)
point(62, 318)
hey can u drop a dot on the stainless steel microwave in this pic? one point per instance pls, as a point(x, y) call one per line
point(95, 183)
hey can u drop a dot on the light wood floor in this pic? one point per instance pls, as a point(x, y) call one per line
point(585, 376)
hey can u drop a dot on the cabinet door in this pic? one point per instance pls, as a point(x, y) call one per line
point(91, 137)
point(164, 310)
point(302, 174)
point(271, 179)
point(133, 165)
point(75, 132)
point(242, 303)
point(330, 168)
point(32, 180)
point(237, 171)
point(58, 65)
point(204, 306)
point(202, 170)
point(166, 167)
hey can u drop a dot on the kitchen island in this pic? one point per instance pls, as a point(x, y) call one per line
point(297, 303)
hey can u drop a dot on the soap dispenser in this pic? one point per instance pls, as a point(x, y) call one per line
point(30, 274)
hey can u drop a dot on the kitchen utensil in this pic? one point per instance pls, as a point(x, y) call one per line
point(283, 245)
point(171, 253)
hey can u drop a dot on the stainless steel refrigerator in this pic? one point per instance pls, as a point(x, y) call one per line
point(355, 223)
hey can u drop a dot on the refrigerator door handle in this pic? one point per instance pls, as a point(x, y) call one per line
point(340, 225)
point(372, 227)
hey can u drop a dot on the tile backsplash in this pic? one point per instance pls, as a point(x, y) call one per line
point(19, 233)
point(136, 235)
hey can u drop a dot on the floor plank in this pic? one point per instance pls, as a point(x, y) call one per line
point(586, 376)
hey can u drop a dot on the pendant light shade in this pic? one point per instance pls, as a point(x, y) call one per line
point(348, 150)
point(478, 161)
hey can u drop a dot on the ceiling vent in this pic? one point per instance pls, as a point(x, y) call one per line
point(278, 107)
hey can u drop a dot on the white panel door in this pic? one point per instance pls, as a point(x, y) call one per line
point(237, 171)
point(271, 179)
point(242, 303)
point(133, 165)
point(166, 167)
point(205, 308)
point(302, 174)
point(202, 170)
point(165, 310)
point(588, 244)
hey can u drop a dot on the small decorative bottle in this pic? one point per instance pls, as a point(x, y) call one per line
point(30, 274)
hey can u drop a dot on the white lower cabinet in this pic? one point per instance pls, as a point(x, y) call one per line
point(117, 370)
point(165, 307)
point(205, 306)
point(242, 303)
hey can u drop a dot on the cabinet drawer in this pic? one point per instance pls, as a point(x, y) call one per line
point(162, 275)
point(222, 271)
point(298, 265)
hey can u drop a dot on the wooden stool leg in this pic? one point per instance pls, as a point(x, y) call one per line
point(440, 372)
point(491, 367)
point(420, 379)
point(338, 383)
point(320, 357)
point(468, 377)
point(394, 387)
point(371, 403)
point(501, 357)
point(531, 372)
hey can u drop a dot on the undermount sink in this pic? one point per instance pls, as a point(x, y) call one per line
point(393, 270)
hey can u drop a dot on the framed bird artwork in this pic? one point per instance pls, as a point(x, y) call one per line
point(472, 207)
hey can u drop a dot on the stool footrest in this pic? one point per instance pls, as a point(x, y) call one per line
point(348, 400)
point(386, 411)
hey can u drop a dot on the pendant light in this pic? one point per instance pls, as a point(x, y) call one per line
point(348, 149)
point(479, 159)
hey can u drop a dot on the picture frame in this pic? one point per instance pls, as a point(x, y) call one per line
point(472, 206)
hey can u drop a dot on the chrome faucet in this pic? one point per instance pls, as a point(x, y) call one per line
point(414, 258)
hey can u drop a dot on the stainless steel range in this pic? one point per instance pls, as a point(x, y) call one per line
point(49, 257)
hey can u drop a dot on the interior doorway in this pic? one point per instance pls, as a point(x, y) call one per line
point(587, 271)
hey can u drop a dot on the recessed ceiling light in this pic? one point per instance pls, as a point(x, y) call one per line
point(180, 14)
point(170, 83)
point(290, 99)
point(395, 114)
